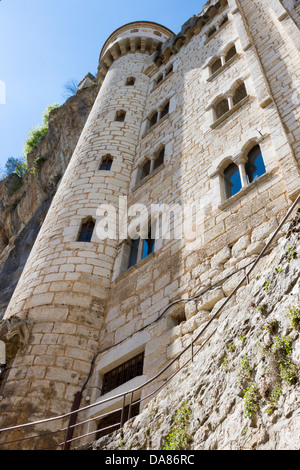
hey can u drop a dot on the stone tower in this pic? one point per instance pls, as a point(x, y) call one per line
point(64, 288)
point(210, 115)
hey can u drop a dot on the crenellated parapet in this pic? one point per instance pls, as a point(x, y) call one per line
point(139, 37)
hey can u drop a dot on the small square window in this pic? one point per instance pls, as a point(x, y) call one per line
point(120, 116)
point(130, 81)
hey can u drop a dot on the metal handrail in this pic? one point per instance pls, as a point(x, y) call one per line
point(152, 379)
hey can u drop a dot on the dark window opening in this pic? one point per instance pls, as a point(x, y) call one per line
point(160, 159)
point(217, 64)
point(231, 53)
point(133, 254)
point(255, 166)
point(113, 420)
point(123, 373)
point(86, 231)
point(153, 119)
point(225, 19)
point(159, 79)
point(106, 163)
point(120, 116)
point(130, 81)
point(221, 108)
point(165, 110)
point(232, 179)
point(145, 171)
point(211, 32)
point(169, 70)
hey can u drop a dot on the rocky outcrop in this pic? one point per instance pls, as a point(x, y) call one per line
point(242, 391)
point(24, 202)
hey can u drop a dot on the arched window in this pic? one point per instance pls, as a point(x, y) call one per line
point(140, 249)
point(133, 253)
point(153, 119)
point(120, 115)
point(165, 110)
point(151, 164)
point(86, 231)
point(159, 79)
point(239, 94)
point(145, 170)
point(232, 180)
point(159, 160)
point(255, 166)
point(221, 108)
point(231, 53)
point(148, 245)
point(106, 163)
point(216, 65)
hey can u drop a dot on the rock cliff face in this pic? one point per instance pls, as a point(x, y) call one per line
point(24, 202)
point(242, 390)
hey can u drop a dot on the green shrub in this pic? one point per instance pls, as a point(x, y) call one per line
point(294, 316)
point(251, 400)
point(282, 350)
point(179, 437)
point(37, 134)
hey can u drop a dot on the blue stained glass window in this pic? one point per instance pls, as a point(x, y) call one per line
point(86, 231)
point(148, 247)
point(255, 166)
point(232, 179)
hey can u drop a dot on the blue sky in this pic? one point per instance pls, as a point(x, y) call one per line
point(46, 43)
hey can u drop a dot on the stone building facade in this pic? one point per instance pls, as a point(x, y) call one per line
point(206, 120)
